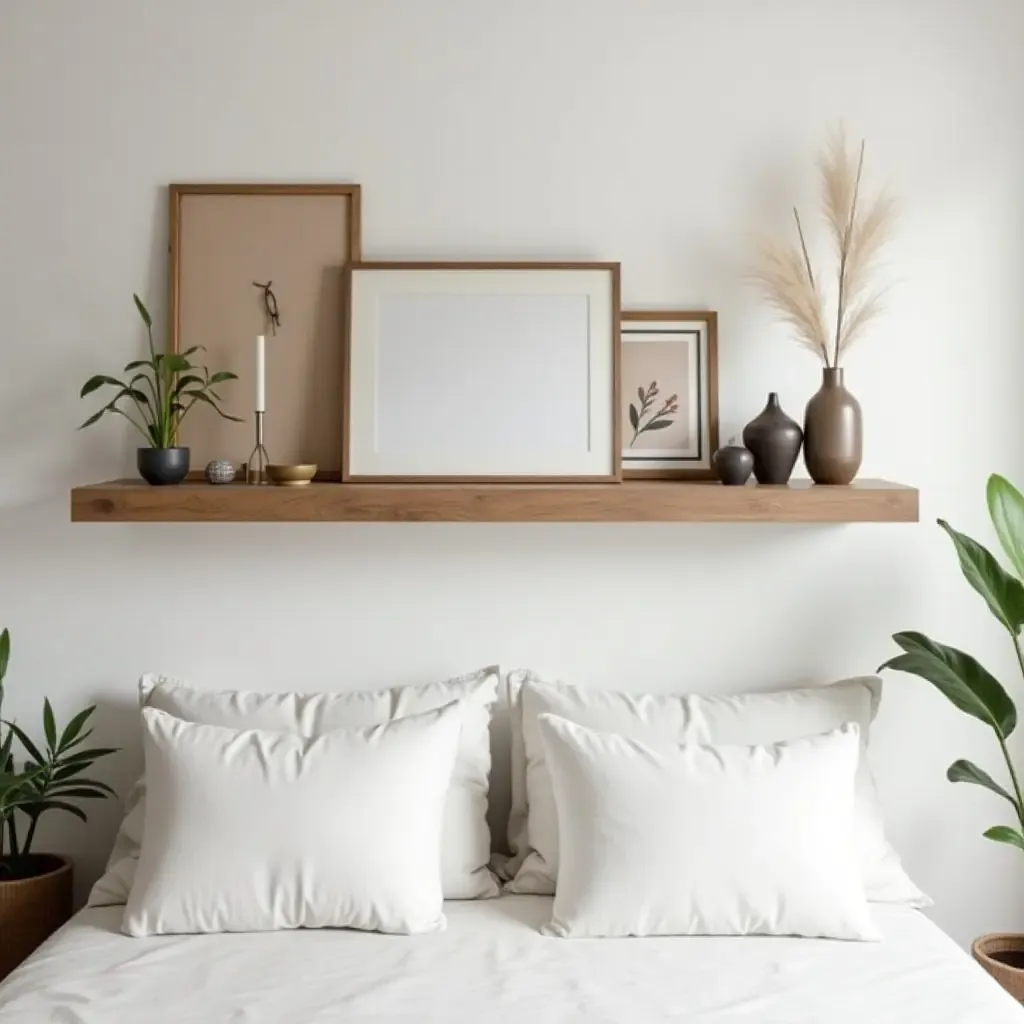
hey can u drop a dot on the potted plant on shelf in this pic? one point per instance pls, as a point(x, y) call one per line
point(974, 690)
point(35, 888)
point(158, 395)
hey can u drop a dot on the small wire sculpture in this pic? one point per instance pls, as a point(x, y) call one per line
point(270, 307)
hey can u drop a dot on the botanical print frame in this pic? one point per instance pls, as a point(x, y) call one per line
point(482, 372)
point(226, 240)
point(669, 402)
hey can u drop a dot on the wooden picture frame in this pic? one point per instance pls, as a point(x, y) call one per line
point(226, 237)
point(669, 394)
point(482, 372)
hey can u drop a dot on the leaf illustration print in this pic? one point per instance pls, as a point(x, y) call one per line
point(647, 417)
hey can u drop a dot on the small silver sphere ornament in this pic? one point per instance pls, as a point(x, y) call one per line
point(220, 471)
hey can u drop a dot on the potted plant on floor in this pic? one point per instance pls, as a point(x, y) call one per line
point(158, 395)
point(35, 888)
point(973, 689)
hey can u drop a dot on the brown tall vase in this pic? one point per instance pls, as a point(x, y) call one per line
point(833, 432)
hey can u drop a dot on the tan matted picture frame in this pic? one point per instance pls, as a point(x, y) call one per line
point(482, 372)
point(228, 241)
point(669, 398)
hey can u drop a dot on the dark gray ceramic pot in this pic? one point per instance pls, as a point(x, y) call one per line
point(774, 439)
point(733, 464)
point(162, 466)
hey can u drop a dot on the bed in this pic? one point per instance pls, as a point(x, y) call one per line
point(491, 965)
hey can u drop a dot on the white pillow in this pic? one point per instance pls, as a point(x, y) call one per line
point(467, 837)
point(702, 840)
point(257, 831)
point(751, 718)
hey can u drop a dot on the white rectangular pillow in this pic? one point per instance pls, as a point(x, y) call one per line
point(467, 837)
point(750, 718)
point(249, 830)
point(705, 840)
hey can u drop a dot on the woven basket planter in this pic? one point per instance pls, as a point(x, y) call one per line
point(32, 909)
point(1002, 955)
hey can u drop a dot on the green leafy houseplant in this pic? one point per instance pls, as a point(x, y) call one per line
point(50, 778)
point(961, 678)
point(160, 392)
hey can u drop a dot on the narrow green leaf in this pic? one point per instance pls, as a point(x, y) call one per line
point(94, 417)
point(965, 771)
point(186, 382)
point(74, 727)
point(97, 382)
point(658, 425)
point(1003, 593)
point(193, 350)
point(222, 375)
point(137, 364)
point(78, 793)
point(30, 748)
point(77, 741)
point(59, 805)
point(93, 754)
point(49, 725)
point(5, 652)
point(957, 675)
point(634, 416)
point(59, 787)
point(1006, 508)
point(143, 312)
point(1003, 834)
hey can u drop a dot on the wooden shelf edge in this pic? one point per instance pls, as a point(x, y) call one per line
point(636, 501)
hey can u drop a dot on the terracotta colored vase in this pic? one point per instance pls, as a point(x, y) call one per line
point(774, 440)
point(833, 432)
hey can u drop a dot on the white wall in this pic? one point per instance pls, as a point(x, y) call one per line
point(658, 132)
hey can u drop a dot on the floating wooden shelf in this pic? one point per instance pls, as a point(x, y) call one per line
point(131, 501)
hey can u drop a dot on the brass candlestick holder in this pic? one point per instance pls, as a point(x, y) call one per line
point(258, 474)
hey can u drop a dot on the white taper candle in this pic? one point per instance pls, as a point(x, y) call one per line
point(261, 382)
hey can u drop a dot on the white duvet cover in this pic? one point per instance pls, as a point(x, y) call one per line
point(492, 966)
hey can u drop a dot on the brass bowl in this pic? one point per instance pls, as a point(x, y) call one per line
point(291, 476)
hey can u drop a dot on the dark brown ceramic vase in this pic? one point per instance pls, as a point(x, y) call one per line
point(833, 432)
point(774, 440)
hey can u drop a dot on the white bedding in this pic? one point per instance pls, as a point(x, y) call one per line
point(492, 966)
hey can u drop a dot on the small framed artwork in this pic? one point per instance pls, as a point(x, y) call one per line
point(265, 259)
point(669, 400)
point(482, 372)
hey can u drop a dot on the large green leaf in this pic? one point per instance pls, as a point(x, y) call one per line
point(173, 362)
point(74, 727)
point(965, 771)
point(1006, 507)
point(1004, 834)
point(143, 312)
point(1003, 593)
point(963, 680)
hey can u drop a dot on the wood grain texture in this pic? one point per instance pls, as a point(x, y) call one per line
point(865, 501)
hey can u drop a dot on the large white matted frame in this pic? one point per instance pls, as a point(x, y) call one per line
point(497, 372)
